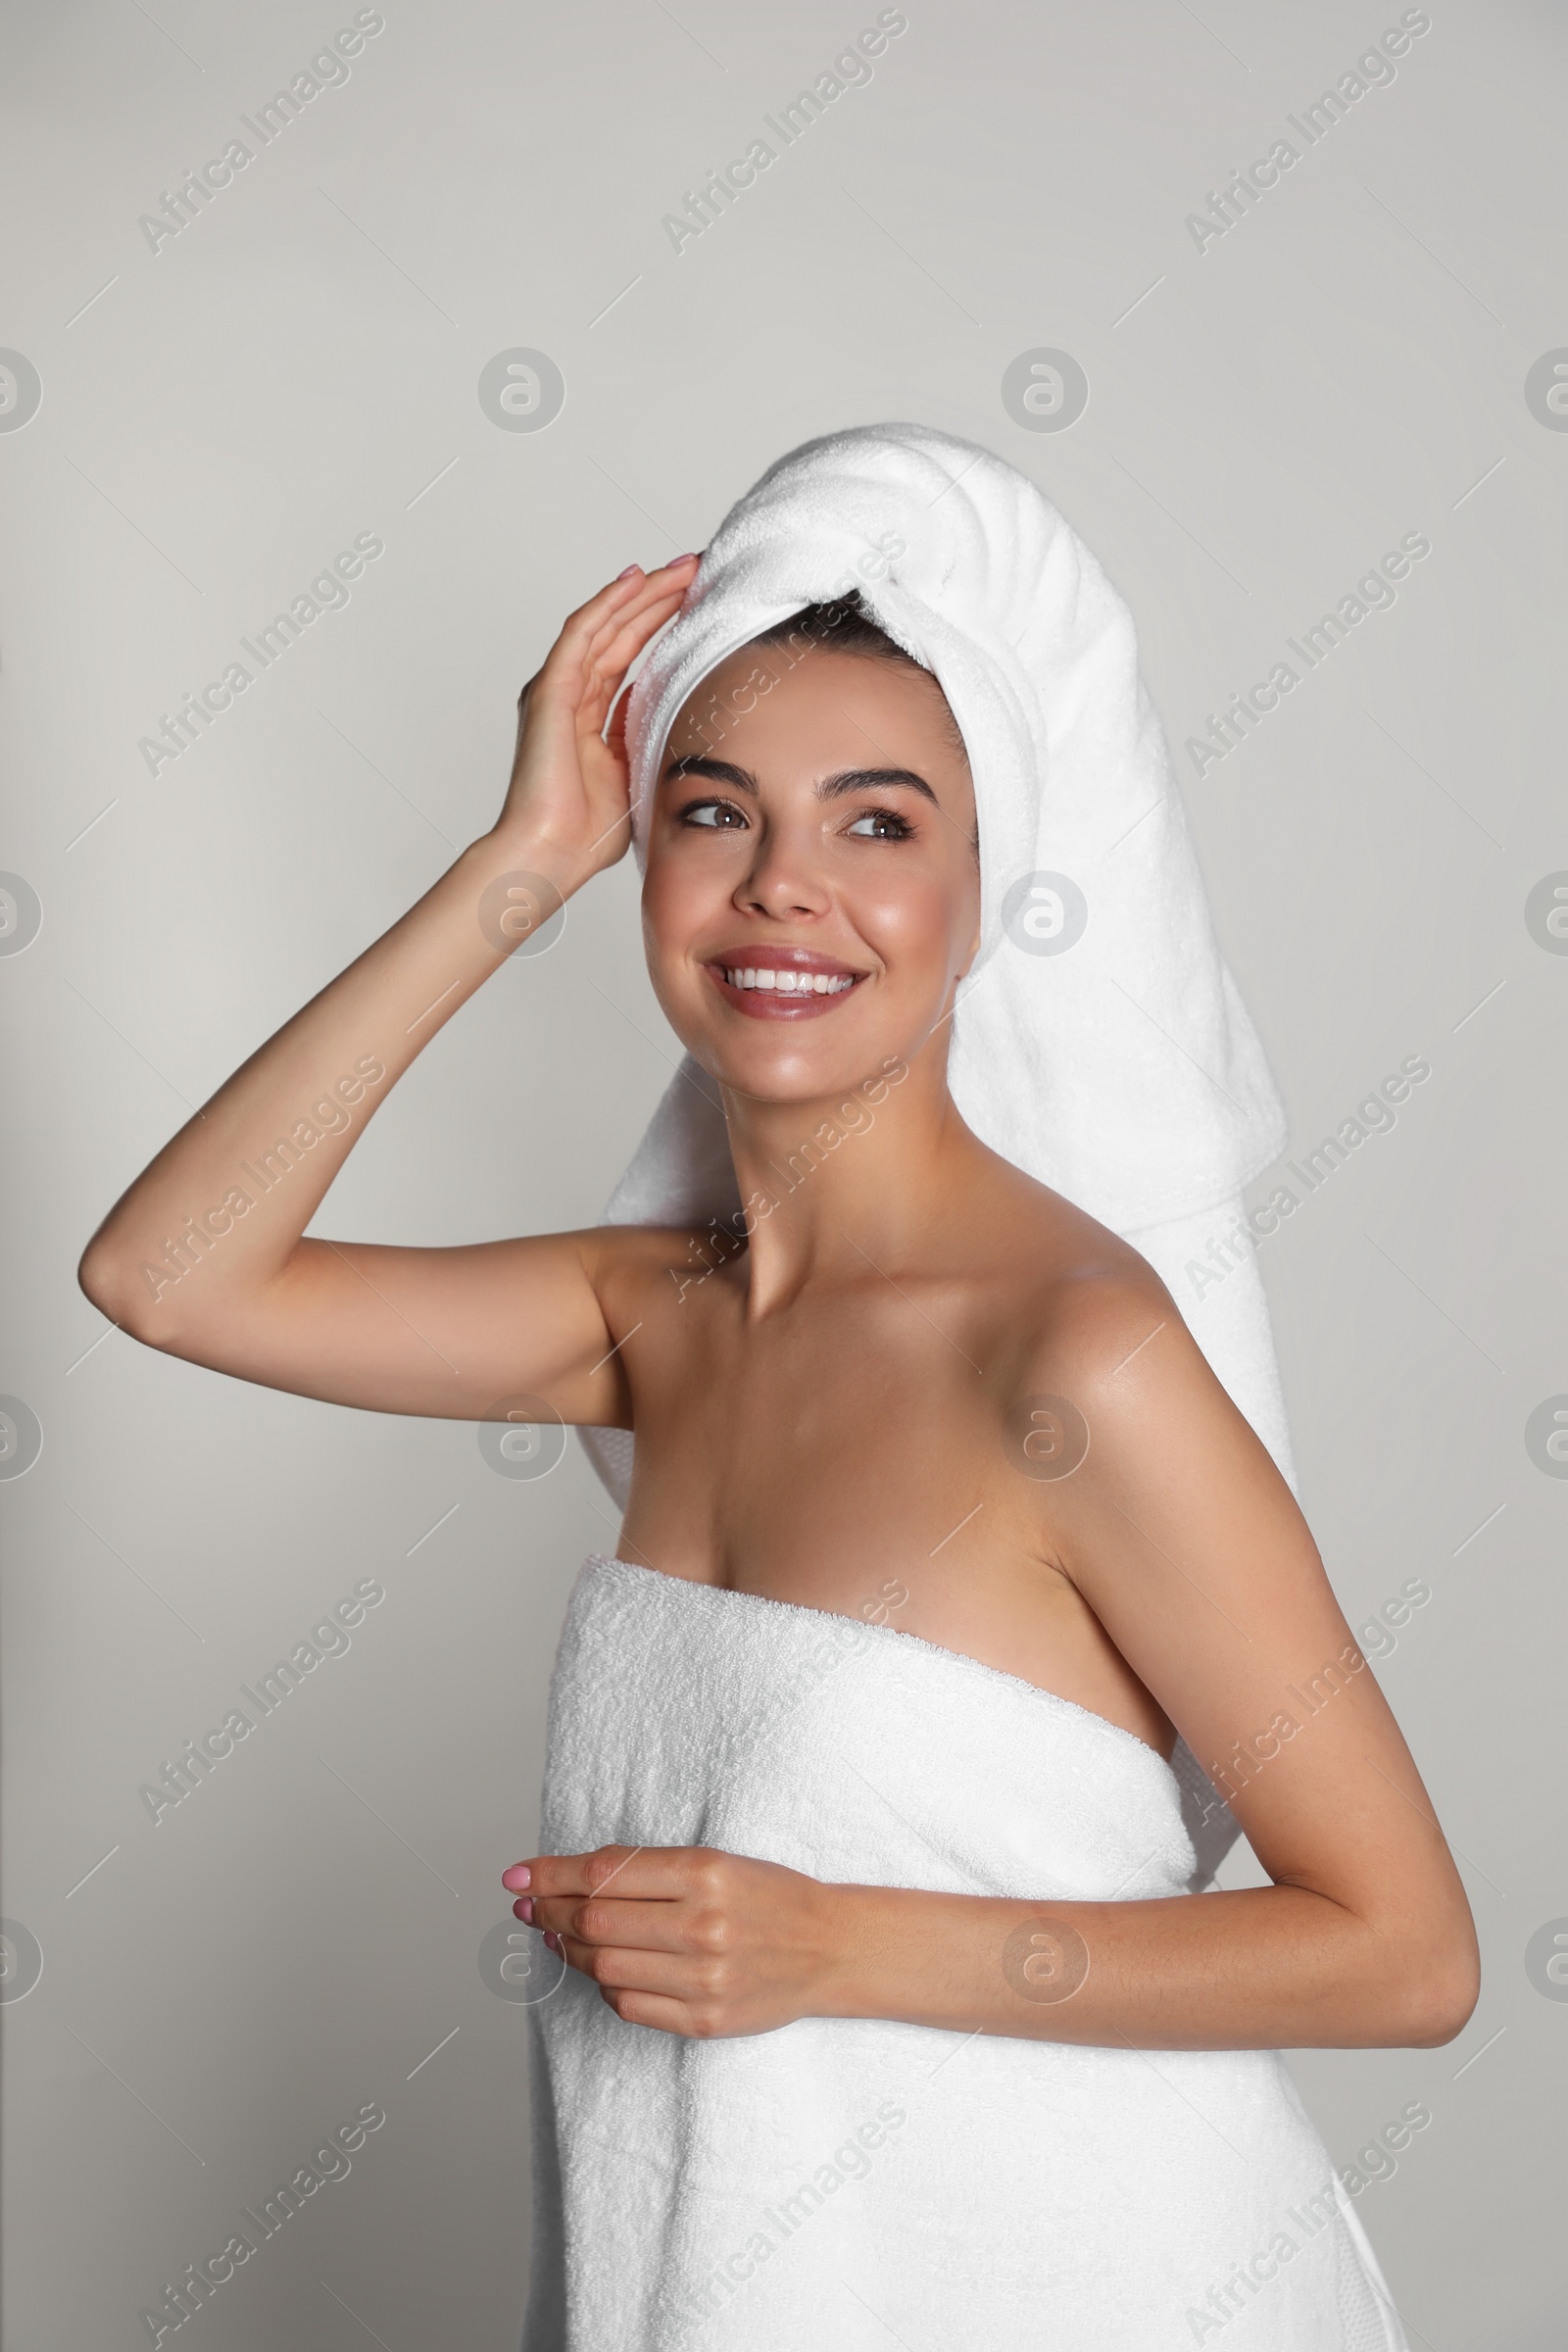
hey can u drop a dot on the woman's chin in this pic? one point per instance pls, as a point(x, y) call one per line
point(792, 1051)
point(782, 1062)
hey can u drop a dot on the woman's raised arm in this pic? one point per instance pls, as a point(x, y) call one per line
point(204, 1255)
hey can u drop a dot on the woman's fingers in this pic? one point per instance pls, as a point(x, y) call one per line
point(653, 2009)
point(675, 1975)
point(685, 1938)
point(651, 1988)
point(569, 785)
point(616, 595)
point(652, 1925)
point(624, 601)
point(626, 604)
point(588, 661)
point(615, 732)
point(603, 635)
point(633, 1871)
point(639, 1919)
point(604, 676)
point(622, 634)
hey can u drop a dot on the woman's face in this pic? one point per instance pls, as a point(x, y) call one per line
point(812, 891)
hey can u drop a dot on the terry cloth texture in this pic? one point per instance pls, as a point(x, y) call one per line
point(842, 2184)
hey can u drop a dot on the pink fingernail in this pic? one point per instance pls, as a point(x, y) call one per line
point(626, 575)
point(552, 1940)
point(522, 1909)
point(517, 1878)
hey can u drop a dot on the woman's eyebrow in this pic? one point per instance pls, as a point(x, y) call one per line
point(831, 788)
point(718, 772)
point(865, 779)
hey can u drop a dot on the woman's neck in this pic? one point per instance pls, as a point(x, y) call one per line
point(831, 1186)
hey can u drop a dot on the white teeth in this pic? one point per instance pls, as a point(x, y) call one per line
point(788, 982)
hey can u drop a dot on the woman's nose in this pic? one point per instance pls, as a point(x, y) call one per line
point(786, 875)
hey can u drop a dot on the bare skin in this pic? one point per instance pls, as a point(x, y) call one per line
point(846, 1412)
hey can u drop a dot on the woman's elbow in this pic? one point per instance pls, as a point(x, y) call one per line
point(122, 1291)
point(1439, 1993)
point(98, 1276)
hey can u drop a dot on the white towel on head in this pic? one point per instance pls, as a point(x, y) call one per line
point(1100, 1043)
point(1123, 1071)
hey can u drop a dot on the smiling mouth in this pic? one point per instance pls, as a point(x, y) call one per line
point(786, 983)
point(782, 984)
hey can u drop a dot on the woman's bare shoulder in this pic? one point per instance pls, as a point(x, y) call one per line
point(1075, 1297)
point(1091, 1326)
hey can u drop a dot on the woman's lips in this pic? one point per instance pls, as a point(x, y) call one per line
point(790, 984)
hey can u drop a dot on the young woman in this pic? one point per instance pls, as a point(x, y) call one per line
point(883, 2010)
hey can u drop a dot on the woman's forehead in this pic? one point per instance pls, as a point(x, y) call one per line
point(848, 698)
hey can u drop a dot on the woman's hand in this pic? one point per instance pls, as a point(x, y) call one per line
point(206, 1255)
point(687, 1940)
point(569, 796)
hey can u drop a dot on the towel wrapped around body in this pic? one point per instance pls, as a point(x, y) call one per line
point(848, 2185)
point(842, 2184)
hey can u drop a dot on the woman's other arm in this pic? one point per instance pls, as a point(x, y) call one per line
point(1181, 1535)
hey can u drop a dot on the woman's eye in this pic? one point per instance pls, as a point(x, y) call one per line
point(881, 824)
point(715, 814)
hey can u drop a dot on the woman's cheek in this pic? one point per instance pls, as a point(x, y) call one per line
point(678, 898)
point(919, 925)
point(680, 902)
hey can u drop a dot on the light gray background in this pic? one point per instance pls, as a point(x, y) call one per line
point(1266, 417)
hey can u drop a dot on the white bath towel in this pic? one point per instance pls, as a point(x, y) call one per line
point(846, 2185)
point(1120, 1068)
